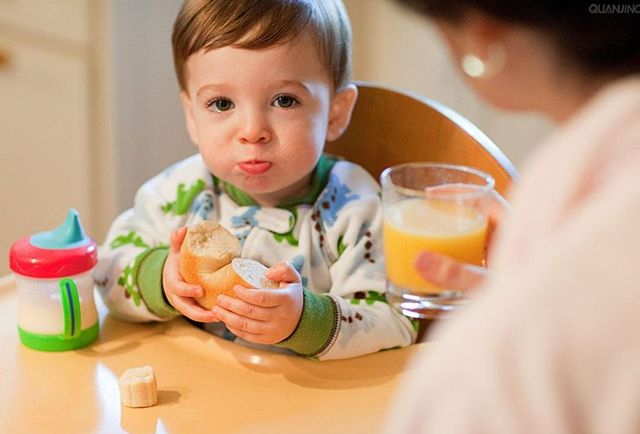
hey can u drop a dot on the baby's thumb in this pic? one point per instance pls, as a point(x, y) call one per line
point(283, 272)
point(177, 237)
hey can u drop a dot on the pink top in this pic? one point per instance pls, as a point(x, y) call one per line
point(552, 343)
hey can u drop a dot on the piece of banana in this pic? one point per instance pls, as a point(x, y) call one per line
point(138, 387)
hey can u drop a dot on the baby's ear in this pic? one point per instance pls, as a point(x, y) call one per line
point(340, 111)
point(188, 116)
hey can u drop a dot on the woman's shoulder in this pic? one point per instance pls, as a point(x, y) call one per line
point(623, 93)
point(616, 106)
point(611, 121)
point(601, 129)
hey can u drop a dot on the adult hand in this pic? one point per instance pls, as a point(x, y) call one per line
point(450, 273)
point(496, 207)
point(180, 293)
point(263, 315)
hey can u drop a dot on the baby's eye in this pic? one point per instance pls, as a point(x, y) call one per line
point(220, 105)
point(285, 101)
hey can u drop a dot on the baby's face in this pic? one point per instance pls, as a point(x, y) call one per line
point(259, 117)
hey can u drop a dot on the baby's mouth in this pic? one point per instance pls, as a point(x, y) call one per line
point(255, 167)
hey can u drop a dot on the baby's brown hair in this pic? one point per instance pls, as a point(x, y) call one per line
point(256, 24)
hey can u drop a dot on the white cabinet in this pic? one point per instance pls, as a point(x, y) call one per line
point(64, 21)
point(53, 150)
point(89, 109)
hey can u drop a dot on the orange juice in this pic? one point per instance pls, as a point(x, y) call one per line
point(414, 225)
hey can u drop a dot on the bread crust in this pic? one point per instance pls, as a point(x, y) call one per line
point(207, 247)
point(209, 257)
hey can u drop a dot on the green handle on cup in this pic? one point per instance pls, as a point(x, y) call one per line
point(70, 308)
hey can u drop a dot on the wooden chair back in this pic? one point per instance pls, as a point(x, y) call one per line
point(390, 127)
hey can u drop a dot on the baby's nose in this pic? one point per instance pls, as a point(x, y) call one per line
point(255, 129)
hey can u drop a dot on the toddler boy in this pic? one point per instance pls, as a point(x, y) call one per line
point(264, 83)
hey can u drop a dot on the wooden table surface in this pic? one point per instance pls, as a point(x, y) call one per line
point(205, 384)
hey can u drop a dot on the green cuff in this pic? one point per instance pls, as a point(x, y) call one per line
point(316, 327)
point(149, 280)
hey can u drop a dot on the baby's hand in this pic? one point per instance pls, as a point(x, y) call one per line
point(264, 316)
point(180, 293)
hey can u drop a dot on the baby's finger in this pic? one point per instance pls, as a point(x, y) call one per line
point(184, 289)
point(177, 237)
point(239, 322)
point(258, 339)
point(189, 308)
point(261, 297)
point(244, 309)
point(283, 272)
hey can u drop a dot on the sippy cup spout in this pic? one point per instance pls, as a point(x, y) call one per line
point(62, 252)
point(68, 234)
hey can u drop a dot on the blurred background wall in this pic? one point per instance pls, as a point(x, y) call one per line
point(89, 105)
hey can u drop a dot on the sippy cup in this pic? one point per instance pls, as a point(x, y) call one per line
point(56, 311)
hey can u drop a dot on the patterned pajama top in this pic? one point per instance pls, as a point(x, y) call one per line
point(332, 236)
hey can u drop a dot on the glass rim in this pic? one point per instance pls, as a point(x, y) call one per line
point(480, 190)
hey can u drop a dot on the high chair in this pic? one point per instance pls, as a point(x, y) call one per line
point(390, 127)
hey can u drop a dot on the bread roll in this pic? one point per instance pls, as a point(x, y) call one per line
point(209, 258)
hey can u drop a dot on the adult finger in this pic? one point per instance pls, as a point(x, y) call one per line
point(449, 273)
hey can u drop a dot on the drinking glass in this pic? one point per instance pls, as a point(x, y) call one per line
point(435, 207)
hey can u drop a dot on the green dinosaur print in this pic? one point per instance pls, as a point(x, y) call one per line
point(288, 237)
point(341, 247)
point(369, 297)
point(127, 281)
point(131, 238)
point(184, 198)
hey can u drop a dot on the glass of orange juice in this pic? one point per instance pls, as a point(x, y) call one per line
point(435, 207)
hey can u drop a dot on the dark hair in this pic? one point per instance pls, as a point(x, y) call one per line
point(602, 38)
point(256, 24)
